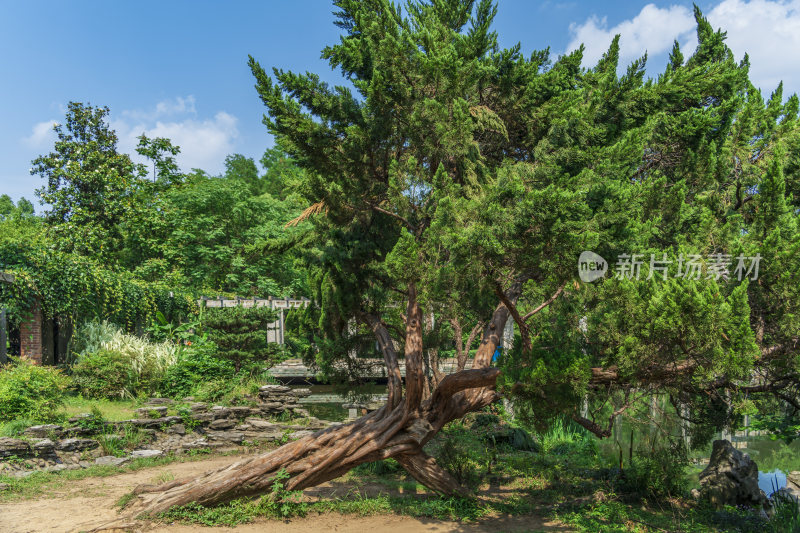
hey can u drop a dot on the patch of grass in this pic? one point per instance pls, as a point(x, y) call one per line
point(15, 427)
point(279, 503)
point(112, 410)
point(163, 477)
point(124, 500)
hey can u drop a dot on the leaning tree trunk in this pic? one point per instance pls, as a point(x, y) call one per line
point(399, 429)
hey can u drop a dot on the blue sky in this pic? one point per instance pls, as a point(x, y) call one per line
point(178, 69)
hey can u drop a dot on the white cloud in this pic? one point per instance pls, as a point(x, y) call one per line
point(653, 30)
point(42, 134)
point(768, 30)
point(204, 142)
point(165, 108)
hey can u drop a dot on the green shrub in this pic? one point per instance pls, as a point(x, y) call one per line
point(146, 362)
point(105, 374)
point(30, 391)
point(194, 368)
point(240, 335)
point(658, 472)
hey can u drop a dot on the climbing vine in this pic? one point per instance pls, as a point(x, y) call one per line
point(72, 286)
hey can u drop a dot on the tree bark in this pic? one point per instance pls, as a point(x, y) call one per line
point(399, 429)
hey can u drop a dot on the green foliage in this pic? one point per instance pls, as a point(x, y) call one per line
point(217, 236)
point(15, 427)
point(658, 472)
point(279, 503)
point(119, 444)
point(94, 422)
point(195, 368)
point(105, 374)
point(384, 467)
point(79, 288)
point(240, 334)
point(90, 187)
point(31, 391)
point(113, 364)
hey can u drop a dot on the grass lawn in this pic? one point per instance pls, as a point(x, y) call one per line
point(113, 410)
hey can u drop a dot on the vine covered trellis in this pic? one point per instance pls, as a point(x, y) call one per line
point(68, 285)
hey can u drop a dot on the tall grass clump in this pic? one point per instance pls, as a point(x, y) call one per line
point(110, 363)
point(563, 436)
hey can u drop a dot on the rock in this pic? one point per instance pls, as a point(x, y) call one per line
point(138, 454)
point(198, 407)
point(159, 401)
point(273, 389)
point(731, 478)
point(44, 431)
point(300, 434)
point(240, 412)
point(221, 424)
point(235, 437)
point(151, 423)
point(297, 411)
point(3, 486)
point(793, 479)
point(110, 460)
point(188, 399)
point(152, 412)
point(78, 431)
point(260, 423)
point(76, 445)
point(44, 447)
point(302, 393)
point(177, 429)
point(14, 447)
point(199, 443)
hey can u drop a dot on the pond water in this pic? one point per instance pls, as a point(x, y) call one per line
point(769, 482)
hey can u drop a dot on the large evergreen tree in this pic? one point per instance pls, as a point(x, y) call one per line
point(454, 179)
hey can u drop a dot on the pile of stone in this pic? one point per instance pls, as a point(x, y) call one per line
point(54, 447)
point(276, 399)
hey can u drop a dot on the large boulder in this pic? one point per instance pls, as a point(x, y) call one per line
point(731, 478)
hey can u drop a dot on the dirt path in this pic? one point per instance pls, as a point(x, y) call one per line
point(82, 505)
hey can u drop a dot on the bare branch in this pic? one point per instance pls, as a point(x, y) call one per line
point(545, 303)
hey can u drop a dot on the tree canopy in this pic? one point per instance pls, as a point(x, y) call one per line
point(462, 177)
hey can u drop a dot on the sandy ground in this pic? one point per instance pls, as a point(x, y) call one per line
point(84, 504)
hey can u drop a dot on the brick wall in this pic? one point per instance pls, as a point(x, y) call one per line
point(30, 335)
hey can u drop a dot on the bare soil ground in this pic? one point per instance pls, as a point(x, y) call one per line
point(83, 505)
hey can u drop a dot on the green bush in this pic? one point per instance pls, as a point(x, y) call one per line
point(30, 391)
point(146, 362)
point(240, 335)
point(658, 472)
point(193, 369)
point(105, 374)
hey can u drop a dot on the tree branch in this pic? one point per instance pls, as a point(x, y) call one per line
point(545, 303)
point(395, 385)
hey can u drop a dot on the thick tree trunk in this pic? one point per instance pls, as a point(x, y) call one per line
point(399, 429)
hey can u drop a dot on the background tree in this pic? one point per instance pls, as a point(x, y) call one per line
point(90, 187)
